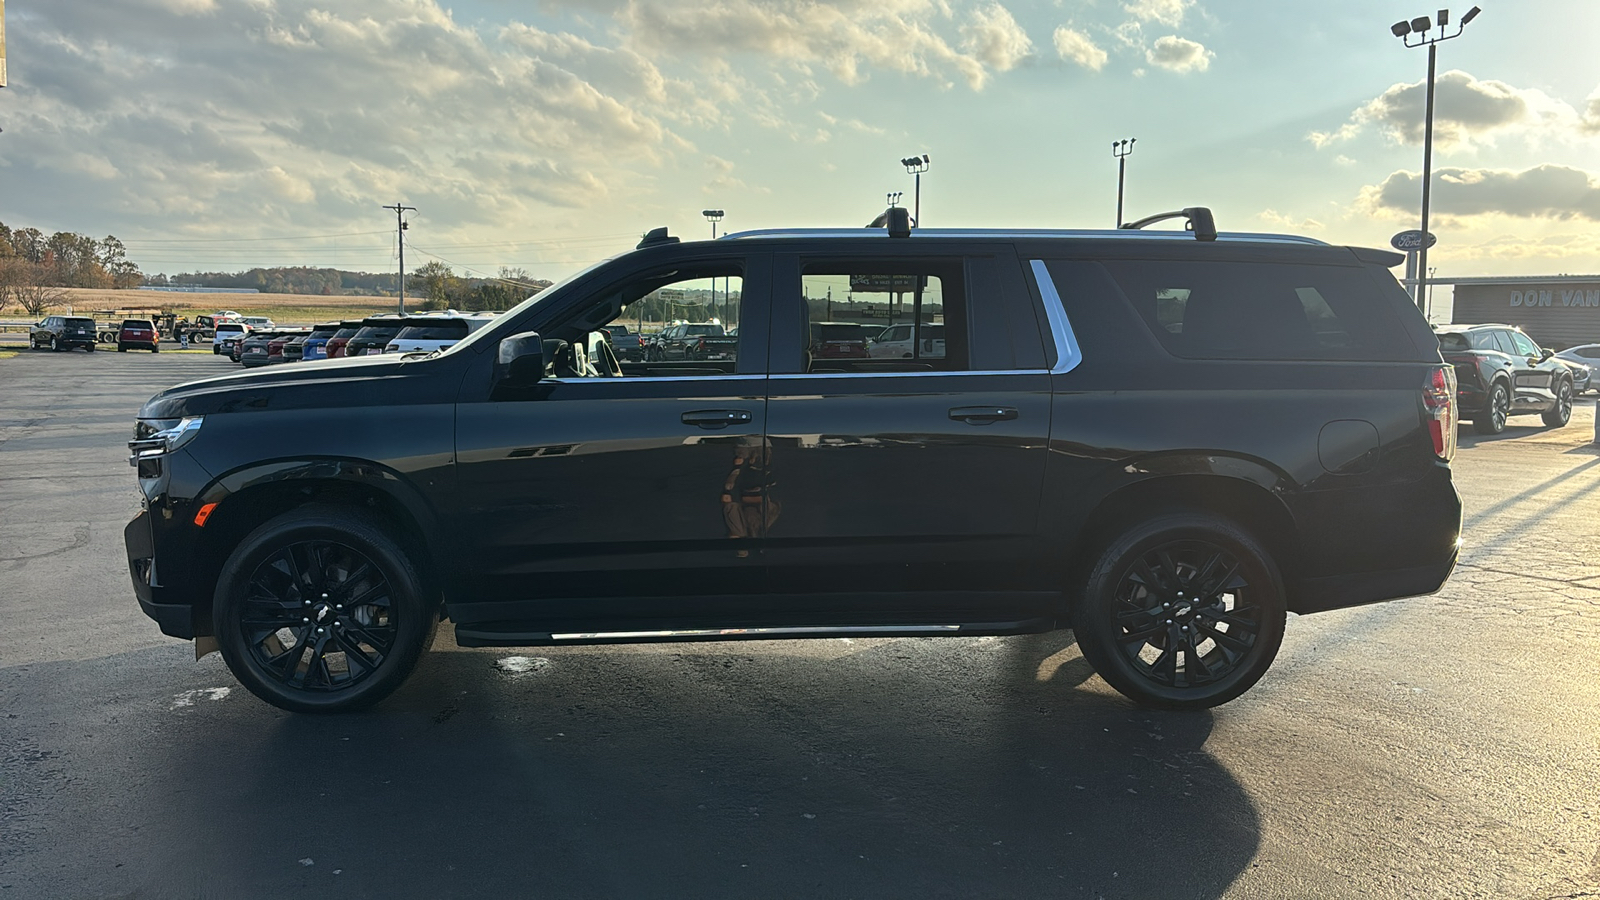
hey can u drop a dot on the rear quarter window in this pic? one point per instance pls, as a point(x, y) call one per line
point(1237, 310)
point(1454, 341)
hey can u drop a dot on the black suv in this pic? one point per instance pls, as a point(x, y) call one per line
point(1501, 372)
point(63, 333)
point(1164, 441)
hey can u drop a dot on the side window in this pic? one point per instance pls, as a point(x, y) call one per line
point(1237, 310)
point(681, 323)
point(1503, 343)
point(1485, 340)
point(1524, 344)
point(884, 316)
point(1589, 352)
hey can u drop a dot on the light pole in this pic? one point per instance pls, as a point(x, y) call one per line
point(916, 165)
point(1422, 28)
point(1121, 150)
point(713, 216)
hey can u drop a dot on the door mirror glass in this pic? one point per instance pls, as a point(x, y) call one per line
point(521, 359)
point(1545, 353)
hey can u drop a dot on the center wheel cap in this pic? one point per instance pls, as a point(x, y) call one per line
point(322, 614)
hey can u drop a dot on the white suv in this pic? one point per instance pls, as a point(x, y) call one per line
point(435, 332)
point(227, 331)
point(898, 342)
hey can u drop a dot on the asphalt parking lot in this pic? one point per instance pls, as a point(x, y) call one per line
point(1443, 746)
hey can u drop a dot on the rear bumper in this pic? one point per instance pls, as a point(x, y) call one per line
point(1341, 591)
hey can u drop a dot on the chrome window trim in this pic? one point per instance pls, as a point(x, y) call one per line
point(636, 379)
point(757, 630)
point(1068, 354)
point(790, 376)
point(926, 233)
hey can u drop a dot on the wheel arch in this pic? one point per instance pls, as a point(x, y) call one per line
point(246, 498)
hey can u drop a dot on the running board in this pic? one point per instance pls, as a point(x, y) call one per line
point(480, 636)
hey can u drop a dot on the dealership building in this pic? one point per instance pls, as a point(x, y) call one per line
point(1556, 311)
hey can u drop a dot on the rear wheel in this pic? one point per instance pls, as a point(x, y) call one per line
point(1498, 405)
point(1561, 413)
point(1183, 611)
point(319, 610)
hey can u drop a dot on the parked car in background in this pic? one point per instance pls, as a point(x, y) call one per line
point(139, 334)
point(374, 335)
point(63, 333)
point(336, 344)
point(702, 341)
point(1501, 372)
point(424, 334)
point(627, 344)
point(253, 348)
point(838, 340)
point(225, 335)
point(314, 345)
point(258, 322)
point(1586, 355)
point(908, 341)
point(281, 340)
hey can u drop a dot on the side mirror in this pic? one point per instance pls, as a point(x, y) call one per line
point(521, 359)
point(1545, 353)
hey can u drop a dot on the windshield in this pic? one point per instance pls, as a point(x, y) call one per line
point(375, 334)
point(138, 324)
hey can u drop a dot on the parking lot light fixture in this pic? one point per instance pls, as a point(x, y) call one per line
point(1422, 28)
point(1121, 149)
point(916, 165)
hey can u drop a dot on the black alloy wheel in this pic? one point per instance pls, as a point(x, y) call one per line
point(1182, 611)
point(1496, 408)
point(319, 610)
point(1560, 414)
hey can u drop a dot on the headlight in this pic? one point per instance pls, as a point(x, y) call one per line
point(157, 437)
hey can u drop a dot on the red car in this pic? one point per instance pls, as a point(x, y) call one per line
point(275, 346)
point(138, 333)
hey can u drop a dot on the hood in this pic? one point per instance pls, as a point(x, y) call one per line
point(321, 384)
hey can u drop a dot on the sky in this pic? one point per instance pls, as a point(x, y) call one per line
point(219, 135)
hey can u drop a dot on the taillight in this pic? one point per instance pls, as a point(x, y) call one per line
point(1439, 406)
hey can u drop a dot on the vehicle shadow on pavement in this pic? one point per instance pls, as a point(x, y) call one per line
point(887, 768)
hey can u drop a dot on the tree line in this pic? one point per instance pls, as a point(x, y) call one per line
point(34, 268)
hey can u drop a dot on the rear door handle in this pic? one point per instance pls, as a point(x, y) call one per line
point(717, 418)
point(982, 415)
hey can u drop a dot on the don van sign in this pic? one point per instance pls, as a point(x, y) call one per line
point(1575, 297)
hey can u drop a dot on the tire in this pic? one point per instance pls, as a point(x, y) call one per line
point(154, 349)
point(1138, 611)
point(1559, 415)
point(55, 347)
point(1495, 410)
point(291, 573)
point(90, 348)
point(122, 348)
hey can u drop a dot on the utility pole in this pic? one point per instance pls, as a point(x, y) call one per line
point(1121, 149)
point(400, 231)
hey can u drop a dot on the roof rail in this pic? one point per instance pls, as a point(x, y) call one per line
point(921, 234)
point(1200, 222)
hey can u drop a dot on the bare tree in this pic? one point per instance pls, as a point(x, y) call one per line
point(31, 288)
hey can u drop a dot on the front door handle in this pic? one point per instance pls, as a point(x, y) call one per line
point(717, 418)
point(982, 415)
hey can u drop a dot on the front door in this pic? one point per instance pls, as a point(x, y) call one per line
point(618, 492)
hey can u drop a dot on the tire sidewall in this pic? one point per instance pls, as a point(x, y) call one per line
point(1094, 614)
point(365, 535)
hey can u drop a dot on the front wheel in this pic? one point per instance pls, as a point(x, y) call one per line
point(1498, 405)
point(1182, 611)
point(319, 610)
point(1560, 414)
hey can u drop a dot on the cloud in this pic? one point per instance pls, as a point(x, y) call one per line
point(1276, 219)
point(1542, 192)
point(1075, 46)
point(848, 37)
point(995, 38)
point(1467, 111)
point(1166, 12)
point(1178, 54)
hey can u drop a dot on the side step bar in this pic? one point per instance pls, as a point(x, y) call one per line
point(510, 636)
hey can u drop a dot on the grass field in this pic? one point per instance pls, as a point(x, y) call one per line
point(284, 309)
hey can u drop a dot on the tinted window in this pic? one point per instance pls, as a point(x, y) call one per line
point(79, 323)
point(345, 333)
point(1525, 346)
point(1502, 342)
point(1453, 340)
point(1485, 340)
point(384, 333)
point(137, 323)
point(1224, 310)
point(1588, 352)
point(915, 300)
point(713, 330)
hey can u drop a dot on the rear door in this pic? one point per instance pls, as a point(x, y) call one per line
point(906, 487)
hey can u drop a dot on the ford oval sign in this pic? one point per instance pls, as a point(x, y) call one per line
point(1411, 240)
